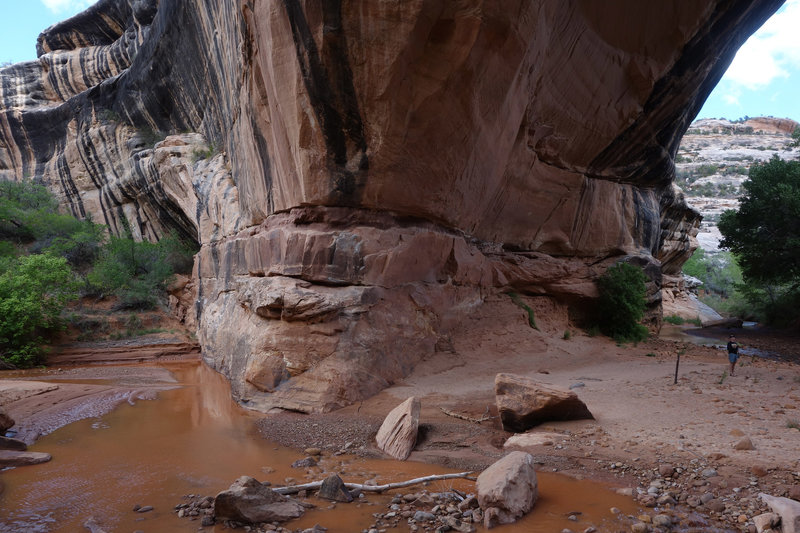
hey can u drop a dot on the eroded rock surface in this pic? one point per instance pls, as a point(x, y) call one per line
point(397, 435)
point(524, 403)
point(508, 489)
point(361, 176)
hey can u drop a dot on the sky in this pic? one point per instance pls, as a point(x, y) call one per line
point(763, 79)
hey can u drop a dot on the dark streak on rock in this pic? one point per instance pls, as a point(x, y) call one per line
point(643, 154)
point(328, 79)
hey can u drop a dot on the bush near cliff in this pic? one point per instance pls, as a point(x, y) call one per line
point(622, 303)
point(764, 234)
point(49, 258)
point(138, 272)
point(33, 291)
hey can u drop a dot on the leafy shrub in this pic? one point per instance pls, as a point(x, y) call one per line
point(621, 304)
point(33, 291)
point(139, 272)
point(674, 319)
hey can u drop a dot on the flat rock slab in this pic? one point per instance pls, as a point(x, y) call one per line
point(529, 440)
point(7, 443)
point(523, 403)
point(15, 458)
point(398, 433)
point(13, 390)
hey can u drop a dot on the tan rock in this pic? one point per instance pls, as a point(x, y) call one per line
point(13, 390)
point(789, 511)
point(532, 439)
point(508, 489)
point(397, 435)
point(744, 444)
point(19, 458)
point(523, 403)
point(766, 521)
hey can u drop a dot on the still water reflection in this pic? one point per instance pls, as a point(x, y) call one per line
point(195, 440)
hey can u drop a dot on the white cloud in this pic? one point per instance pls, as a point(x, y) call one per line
point(770, 53)
point(67, 6)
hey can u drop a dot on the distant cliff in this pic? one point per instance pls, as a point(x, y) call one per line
point(362, 175)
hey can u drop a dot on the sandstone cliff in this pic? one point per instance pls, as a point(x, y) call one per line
point(362, 175)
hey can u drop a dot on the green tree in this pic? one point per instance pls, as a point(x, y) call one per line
point(622, 303)
point(764, 233)
point(796, 137)
point(33, 291)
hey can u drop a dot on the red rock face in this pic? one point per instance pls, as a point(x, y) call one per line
point(365, 173)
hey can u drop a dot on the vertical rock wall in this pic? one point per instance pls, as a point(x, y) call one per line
point(361, 175)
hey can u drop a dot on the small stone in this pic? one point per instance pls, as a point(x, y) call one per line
point(144, 509)
point(662, 520)
point(304, 463)
point(715, 505)
point(666, 470)
point(422, 516)
point(207, 521)
point(313, 451)
point(758, 470)
point(639, 527)
point(744, 444)
point(708, 472)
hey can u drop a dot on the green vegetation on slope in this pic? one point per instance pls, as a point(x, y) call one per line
point(48, 259)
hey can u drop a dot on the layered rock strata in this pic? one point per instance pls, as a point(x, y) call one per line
point(361, 175)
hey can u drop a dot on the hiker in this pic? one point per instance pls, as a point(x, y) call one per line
point(733, 352)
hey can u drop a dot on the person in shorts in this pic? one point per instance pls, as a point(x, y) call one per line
point(733, 353)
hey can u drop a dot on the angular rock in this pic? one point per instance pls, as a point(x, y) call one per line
point(744, 444)
point(788, 510)
point(333, 489)
point(17, 458)
point(523, 403)
point(507, 489)
point(248, 501)
point(766, 521)
point(7, 443)
point(397, 435)
point(457, 524)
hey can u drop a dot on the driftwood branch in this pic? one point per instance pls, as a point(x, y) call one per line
point(373, 488)
point(484, 418)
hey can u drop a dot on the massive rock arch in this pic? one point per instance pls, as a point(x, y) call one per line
point(361, 175)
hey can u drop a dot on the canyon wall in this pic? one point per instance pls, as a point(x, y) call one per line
point(363, 175)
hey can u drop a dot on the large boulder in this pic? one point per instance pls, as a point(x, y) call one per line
point(507, 489)
point(397, 435)
point(789, 511)
point(523, 403)
point(249, 501)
